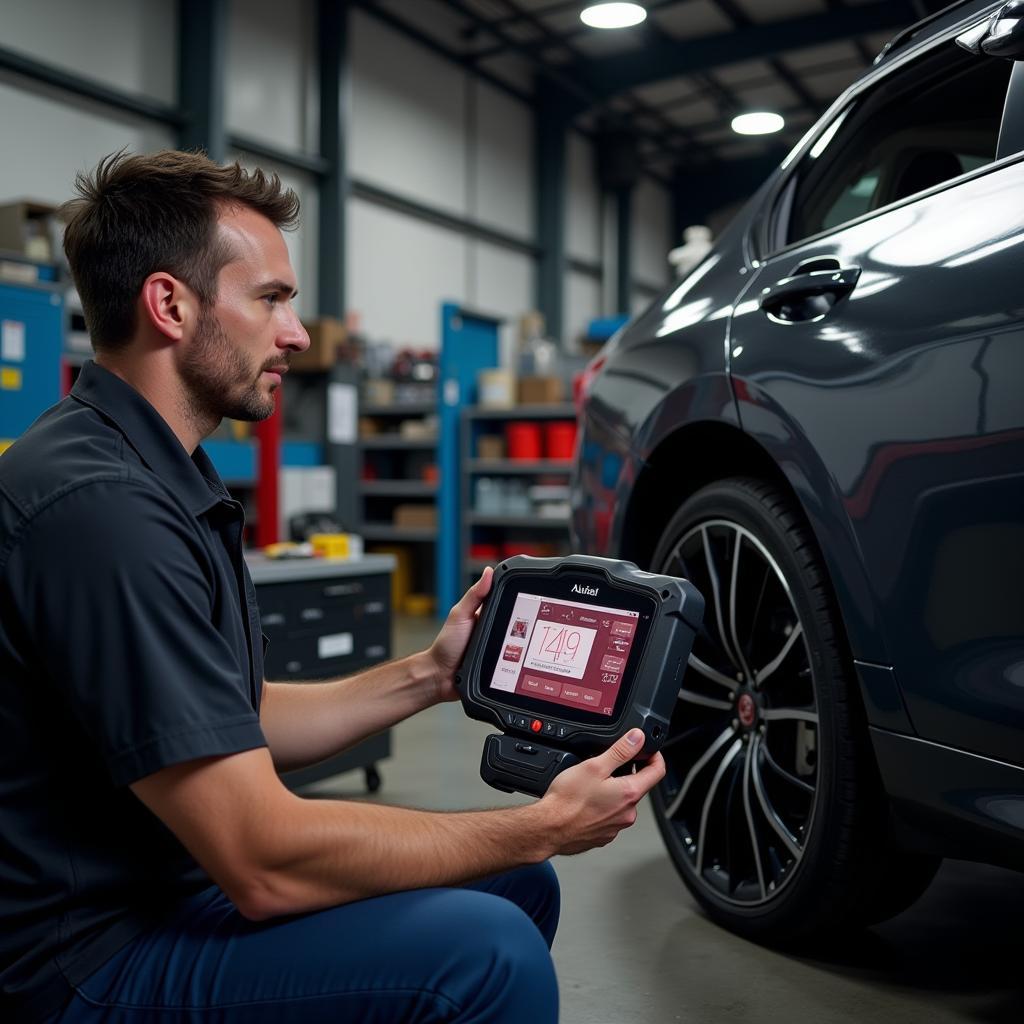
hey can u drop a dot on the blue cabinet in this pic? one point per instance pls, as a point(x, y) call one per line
point(31, 337)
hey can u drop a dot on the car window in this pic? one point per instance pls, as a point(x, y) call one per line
point(919, 127)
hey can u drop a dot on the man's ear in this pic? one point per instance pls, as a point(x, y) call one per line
point(169, 305)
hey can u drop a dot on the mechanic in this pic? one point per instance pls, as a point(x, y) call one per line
point(152, 865)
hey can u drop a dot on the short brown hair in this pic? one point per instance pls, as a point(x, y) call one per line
point(139, 214)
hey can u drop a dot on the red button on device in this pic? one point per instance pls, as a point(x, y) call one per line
point(536, 725)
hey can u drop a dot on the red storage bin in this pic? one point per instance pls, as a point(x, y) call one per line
point(560, 440)
point(523, 440)
point(484, 552)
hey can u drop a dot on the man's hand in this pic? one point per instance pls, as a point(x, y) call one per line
point(447, 651)
point(590, 806)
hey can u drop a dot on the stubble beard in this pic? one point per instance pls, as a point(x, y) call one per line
point(213, 371)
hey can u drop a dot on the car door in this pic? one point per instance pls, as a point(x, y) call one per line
point(885, 334)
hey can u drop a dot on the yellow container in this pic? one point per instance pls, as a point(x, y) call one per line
point(401, 578)
point(332, 545)
point(419, 604)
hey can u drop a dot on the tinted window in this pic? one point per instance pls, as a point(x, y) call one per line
point(921, 126)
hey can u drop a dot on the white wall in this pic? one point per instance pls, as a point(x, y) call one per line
point(128, 44)
point(271, 92)
point(57, 140)
point(582, 304)
point(399, 271)
point(651, 236)
point(424, 129)
point(407, 126)
point(502, 283)
point(501, 154)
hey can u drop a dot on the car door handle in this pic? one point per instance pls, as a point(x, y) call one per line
point(784, 300)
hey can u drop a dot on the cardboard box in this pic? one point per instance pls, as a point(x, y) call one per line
point(496, 389)
point(490, 446)
point(540, 390)
point(30, 229)
point(326, 337)
point(416, 516)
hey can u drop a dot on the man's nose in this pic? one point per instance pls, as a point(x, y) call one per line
point(294, 335)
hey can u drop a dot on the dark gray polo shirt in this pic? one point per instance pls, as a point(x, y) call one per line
point(129, 641)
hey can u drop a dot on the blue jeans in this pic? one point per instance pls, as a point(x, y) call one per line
point(473, 954)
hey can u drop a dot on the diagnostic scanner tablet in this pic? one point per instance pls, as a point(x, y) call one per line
point(567, 655)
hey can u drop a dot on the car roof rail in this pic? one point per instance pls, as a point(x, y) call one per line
point(906, 35)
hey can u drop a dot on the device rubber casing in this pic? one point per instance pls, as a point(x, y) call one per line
point(677, 610)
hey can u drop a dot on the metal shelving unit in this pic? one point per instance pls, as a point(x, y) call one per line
point(398, 463)
point(546, 467)
point(386, 442)
point(398, 488)
point(502, 529)
point(384, 531)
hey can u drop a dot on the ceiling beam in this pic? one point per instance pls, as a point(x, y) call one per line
point(674, 57)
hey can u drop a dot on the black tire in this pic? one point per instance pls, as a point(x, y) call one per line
point(772, 809)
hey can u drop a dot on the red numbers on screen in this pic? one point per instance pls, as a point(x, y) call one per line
point(561, 643)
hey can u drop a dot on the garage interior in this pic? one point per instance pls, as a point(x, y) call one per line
point(490, 189)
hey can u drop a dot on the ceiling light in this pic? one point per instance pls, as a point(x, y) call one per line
point(760, 122)
point(612, 15)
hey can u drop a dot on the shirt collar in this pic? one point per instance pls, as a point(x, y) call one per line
point(193, 478)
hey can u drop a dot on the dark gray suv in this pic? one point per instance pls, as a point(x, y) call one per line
point(822, 426)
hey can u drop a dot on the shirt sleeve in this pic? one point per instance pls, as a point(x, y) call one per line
point(117, 592)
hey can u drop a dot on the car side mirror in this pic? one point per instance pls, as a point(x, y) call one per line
point(1001, 35)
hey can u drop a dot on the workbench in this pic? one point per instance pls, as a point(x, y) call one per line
point(326, 618)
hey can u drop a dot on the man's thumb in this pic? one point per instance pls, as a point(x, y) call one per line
point(624, 749)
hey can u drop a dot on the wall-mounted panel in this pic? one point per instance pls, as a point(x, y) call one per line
point(60, 140)
point(271, 88)
point(582, 304)
point(583, 230)
point(652, 228)
point(399, 271)
point(129, 44)
point(502, 158)
point(407, 127)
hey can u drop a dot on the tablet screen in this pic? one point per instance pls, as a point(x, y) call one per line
point(565, 652)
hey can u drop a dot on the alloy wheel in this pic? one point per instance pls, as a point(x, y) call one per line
point(742, 757)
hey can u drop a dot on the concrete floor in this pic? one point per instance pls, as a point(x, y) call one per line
point(633, 946)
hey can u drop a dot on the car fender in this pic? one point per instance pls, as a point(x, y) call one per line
point(818, 494)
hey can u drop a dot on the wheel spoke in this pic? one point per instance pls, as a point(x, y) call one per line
point(762, 674)
point(769, 812)
point(750, 821)
point(709, 799)
point(708, 702)
point(696, 770)
point(732, 606)
point(790, 714)
point(713, 674)
point(716, 592)
point(782, 773)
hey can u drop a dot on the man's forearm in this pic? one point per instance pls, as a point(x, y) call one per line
point(332, 853)
point(308, 722)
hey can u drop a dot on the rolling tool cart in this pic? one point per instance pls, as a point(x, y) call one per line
point(326, 618)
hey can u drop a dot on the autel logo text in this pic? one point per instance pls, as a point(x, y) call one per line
point(578, 589)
